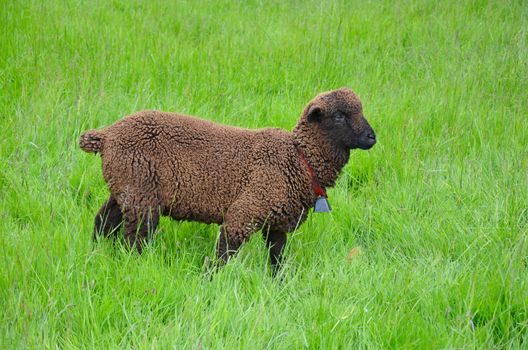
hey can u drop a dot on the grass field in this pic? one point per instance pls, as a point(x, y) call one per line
point(436, 214)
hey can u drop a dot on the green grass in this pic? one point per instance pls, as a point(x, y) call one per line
point(438, 208)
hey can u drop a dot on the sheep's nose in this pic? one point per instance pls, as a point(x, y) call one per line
point(371, 135)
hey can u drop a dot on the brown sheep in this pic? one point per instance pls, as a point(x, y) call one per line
point(158, 163)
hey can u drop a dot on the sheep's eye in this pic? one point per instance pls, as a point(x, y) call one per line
point(338, 117)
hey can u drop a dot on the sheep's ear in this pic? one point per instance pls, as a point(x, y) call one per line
point(315, 114)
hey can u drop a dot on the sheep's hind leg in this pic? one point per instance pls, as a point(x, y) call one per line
point(140, 225)
point(275, 241)
point(108, 219)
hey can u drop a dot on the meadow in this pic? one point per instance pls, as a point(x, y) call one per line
point(426, 246)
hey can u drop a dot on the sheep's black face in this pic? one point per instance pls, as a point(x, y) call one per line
point(340, 115)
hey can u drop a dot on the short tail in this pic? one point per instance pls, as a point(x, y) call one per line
point(91, 141)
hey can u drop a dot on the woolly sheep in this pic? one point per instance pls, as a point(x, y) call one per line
point(158, 163)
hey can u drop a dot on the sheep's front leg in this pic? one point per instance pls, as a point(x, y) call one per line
point(246, 215)
point(275, 241)
point(240, 222)
point(229, 241)
point(108, 220)
point(225, 249)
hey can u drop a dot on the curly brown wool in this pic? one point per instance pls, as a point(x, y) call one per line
point(158, 163)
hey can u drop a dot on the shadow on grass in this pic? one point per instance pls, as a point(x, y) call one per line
point(191, 242)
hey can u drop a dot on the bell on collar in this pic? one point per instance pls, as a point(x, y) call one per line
point(322, 205)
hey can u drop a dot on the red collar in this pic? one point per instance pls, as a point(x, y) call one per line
point(318, 190)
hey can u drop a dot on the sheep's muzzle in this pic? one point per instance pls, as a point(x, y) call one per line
point(367, 139)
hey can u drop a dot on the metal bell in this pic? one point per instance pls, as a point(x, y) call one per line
point(322, 205)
